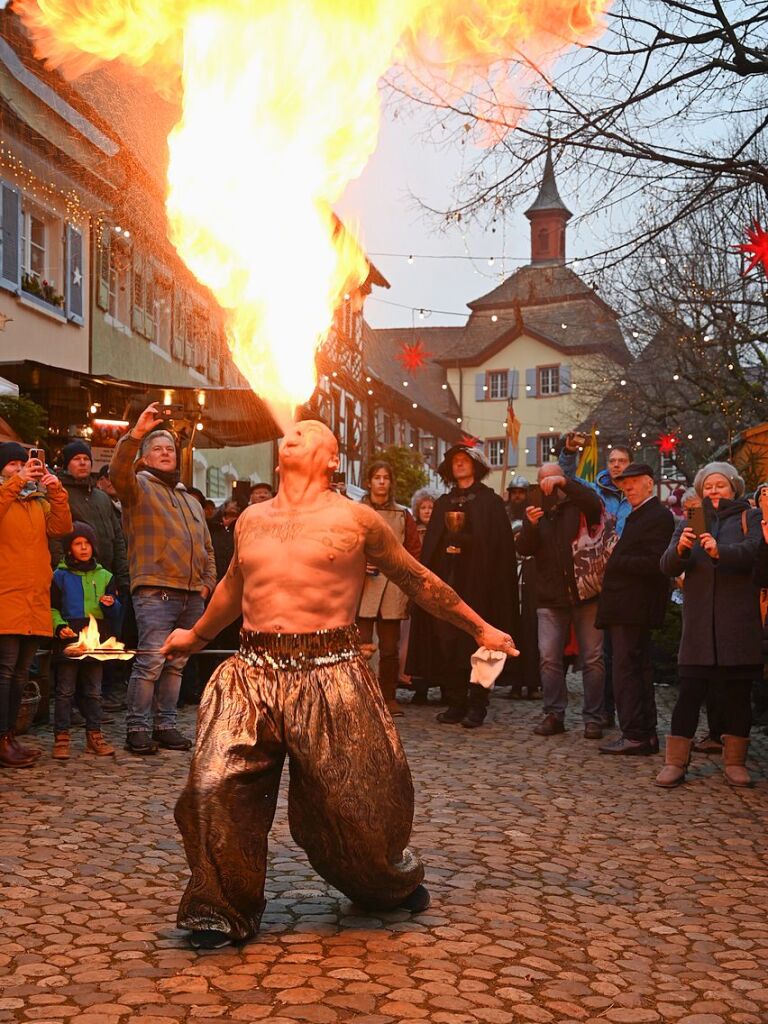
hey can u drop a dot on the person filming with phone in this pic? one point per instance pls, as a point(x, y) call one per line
point(721, 645)
point(29, 515)
point(553, 520)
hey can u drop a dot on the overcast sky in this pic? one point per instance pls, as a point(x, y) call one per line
point(389, 222)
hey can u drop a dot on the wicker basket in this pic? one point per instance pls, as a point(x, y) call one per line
point(29, 705)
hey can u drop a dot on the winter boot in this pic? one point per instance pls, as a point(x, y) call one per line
point(96, 744)
point(21, 749)
point(734, 760)
point(677, 754)
point(10, 756)
point(477, 708)
point(61, 746)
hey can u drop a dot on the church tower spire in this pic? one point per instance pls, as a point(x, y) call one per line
point(548, 215)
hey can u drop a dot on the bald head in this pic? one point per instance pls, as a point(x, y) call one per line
point(310, 446)
point(548, 469)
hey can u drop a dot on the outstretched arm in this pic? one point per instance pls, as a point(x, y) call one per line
point(223, 608)
point(414, 579)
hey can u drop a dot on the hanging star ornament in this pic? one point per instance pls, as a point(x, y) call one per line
point(667, 443)
point(756, 249)
point(413, 357)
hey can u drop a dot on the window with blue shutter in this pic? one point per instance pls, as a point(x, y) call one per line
point(513, 384)
point(73, 292)
point(480, 389)
point(531, 452)
point(10, 254)
point(565, 379)
point(531, 383)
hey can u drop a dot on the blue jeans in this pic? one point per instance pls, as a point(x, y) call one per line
point(153, 689)
point(553, 634)
point(83, 679)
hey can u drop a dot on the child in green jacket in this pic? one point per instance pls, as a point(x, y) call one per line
point(81, 588)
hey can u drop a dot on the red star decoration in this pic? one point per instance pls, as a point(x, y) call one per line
point(413, 357)
point(667, 443)
point(468, 441)
point(756, 248)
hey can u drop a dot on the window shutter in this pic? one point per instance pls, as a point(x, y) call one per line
point(73, 292)
point(179, 325)
point(531, 459)
point(10, 262)
point(513, 454)
point(530, 384)
point(480, 393)
point(102, 269)
point(137, 312)
point(565, 379)
point(150, 309)
point(513, 384)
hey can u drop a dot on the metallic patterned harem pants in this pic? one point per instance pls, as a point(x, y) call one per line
point(350, 798)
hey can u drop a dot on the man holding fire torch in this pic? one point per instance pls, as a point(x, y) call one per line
point(299, 686)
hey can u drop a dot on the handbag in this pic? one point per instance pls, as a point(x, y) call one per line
point(592, 547)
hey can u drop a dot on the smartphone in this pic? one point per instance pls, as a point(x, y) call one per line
point(697, 520)
point(37, 453)
point(175, 410)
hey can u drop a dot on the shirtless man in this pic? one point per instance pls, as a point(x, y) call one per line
point(300, 686)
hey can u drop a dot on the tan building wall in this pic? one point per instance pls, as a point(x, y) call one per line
point(540, 415)
point(37, 330)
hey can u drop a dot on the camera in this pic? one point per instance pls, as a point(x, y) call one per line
point(37, 453)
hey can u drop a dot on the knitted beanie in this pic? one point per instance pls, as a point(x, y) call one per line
point(724, 469)
point(69, 451)
point(80, 529)
point(12, 451)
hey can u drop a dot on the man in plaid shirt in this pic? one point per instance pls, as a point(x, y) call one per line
point(172, 571)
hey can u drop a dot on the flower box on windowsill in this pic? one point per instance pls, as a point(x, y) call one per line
point(29, 299)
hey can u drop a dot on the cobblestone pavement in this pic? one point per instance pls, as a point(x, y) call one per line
point(566, 887)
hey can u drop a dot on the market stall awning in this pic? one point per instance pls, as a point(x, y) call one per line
point(229, 415)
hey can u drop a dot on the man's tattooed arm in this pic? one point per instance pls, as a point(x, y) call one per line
point(227, 601)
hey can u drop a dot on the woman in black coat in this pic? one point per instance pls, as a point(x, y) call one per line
point(721, 641)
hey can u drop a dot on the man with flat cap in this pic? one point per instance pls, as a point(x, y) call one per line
point(632, 603)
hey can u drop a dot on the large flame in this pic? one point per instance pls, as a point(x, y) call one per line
point(280, 110)
point(90, 645)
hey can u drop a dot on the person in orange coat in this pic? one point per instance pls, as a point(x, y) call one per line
point(28, 517)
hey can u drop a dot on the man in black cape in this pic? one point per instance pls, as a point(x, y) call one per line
point(469, 544)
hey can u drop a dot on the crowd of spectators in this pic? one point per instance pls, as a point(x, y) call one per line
point(575, 570)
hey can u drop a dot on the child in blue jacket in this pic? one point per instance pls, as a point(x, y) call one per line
point(80, 588)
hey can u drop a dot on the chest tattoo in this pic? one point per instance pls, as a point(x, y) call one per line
point(336, 538)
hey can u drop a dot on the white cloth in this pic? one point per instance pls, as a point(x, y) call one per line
point(486, 666)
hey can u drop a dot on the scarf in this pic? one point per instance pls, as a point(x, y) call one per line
point(170, 479)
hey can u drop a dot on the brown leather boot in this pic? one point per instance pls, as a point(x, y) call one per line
point(734, 760)
point(96, 744)
point(677, 754)
point(21, 749)
point(61, 745)
point(9, 755)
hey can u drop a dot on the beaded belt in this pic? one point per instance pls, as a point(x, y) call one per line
point(297, 651)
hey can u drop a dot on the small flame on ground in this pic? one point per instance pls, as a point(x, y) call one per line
point(280, 111)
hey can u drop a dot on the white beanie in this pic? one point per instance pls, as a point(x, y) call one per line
point(725, 469)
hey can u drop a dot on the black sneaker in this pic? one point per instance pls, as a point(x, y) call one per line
point(208, 938)
point(140, 742)
point(418, 901)
point(171, 739)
